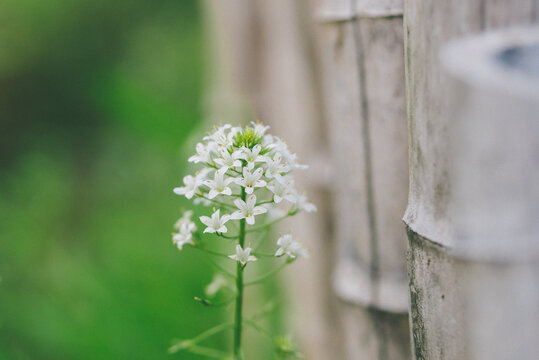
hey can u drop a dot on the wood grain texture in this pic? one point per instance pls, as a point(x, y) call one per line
point(288, 99)
point(364, 81)
point(441, 206)
point(495, 202)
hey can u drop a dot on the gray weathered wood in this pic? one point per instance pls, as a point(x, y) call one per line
point(364, 76)
point(493, 154)
point(438, 282)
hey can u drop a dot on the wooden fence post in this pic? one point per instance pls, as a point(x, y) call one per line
point(436, 290)
point(493, 157)
point(364, 81)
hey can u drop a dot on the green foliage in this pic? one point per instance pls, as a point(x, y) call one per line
point(99, 97)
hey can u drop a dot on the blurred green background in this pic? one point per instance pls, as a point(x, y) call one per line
point(97, 99)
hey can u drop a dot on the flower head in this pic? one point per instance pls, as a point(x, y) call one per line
point(215, 223)
point(289, 246)
point(282, 190)
point(251, 180)
point(251, 156)
point(218, 282)
point(202, 154)
point(259, 128)
point(243, 256)
point(191, 184)
point(184, 235)
point(227, 160)
point(185, 219)
point(275, 167)
point(247, 210)
point(219, 184)
point(303, 204)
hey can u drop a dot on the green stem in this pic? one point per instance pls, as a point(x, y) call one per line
point(234, 237)
point(258, 328)
point(239, 291)
point(219, 267)
point(259, 254)
point(187, 344)
point(210, 251)
point(271, 273)
point(207, 352)
point(207, 302)
point(217, 202)
point(268, 224)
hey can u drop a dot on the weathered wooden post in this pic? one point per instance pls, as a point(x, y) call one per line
point(364, 81)
point(437, 291)
point(494, 206)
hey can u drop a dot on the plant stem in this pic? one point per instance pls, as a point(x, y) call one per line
point(216, 202)
point(268, 224)
point(215, 253)
point(271, 273)
point(239, 293)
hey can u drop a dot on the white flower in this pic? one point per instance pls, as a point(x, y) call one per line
point(259, 128)
point(279, 146)
point(282, 191)
point(184, 235)
point(251, 156)
point(243, 256)
point(251, 180)
point(289, 246)
point(185, 219)
point(219, 184)
point(303, 204)
point(218, 133)
point(267, 141)
point(215, 223)
point(247, 210)
point(218, 282)
point(227, 160)
point(274, 212)
point(220, 139)
point(191, 184)
point(202, 201)
point(202, 154)
point(275, 167)
point(292, 162)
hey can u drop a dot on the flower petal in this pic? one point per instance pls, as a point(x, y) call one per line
point(224, 219)
point(179, 190)
point(259, 210)
point(240, 204)
point(205, 220)
point(237, 215)
point(251, 201)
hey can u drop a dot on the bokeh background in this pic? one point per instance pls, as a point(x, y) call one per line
point(98, 100)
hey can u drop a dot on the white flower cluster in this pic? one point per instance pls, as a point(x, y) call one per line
point(247, 173)
point(185, 229)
